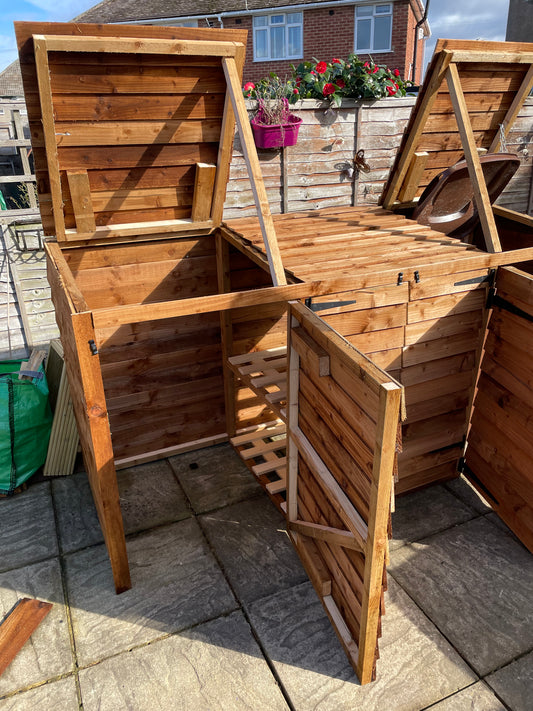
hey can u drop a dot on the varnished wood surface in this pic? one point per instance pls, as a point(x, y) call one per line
point(18, 627)
point(423, 332)
point(499, 447)
point(155, 94)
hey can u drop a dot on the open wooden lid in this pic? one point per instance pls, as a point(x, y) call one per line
point(471, 96)
point(131, 127)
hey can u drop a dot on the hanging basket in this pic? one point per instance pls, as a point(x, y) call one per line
point(276, 135)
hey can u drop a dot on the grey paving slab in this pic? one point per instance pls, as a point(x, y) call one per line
point(214, 477)
point(54, 696)
point(216, 666)
point(47, 654)
point(149, 496)
point(476, 585)
point(176, 583)
point(424, 512)
point(497, 521)
point(464, 490)
point(514, 683)
point(27, 527)
point(417, 666)
point(249, 539)
point(477, 697)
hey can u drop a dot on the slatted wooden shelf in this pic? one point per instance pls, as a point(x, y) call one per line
point(264, 451)
point(264, 372)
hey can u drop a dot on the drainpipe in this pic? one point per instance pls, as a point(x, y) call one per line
point(417, 26)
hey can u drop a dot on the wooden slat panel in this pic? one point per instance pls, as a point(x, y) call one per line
point(343, 476)
point(183, 109)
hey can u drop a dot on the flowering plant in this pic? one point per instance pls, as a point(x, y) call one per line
point(272, 95)
point(332, 81)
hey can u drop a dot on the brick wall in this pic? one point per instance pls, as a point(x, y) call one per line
point(329, 32)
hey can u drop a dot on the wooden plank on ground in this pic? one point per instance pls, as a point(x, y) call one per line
point(18, 627)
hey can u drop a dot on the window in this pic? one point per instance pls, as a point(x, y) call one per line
point(187, 23)
point(373, 28)
point(278, 36)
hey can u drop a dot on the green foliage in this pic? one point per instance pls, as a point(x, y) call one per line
point(333, 81)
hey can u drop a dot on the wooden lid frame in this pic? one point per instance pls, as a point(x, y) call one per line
point(210, 180)
point(449, 102)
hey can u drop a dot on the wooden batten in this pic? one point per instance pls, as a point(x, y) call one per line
point(413, 176)
point(203, 192)
point(80, 194)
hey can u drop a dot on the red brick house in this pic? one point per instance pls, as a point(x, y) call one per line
point(282, 33)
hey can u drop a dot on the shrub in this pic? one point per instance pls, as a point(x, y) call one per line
point(333, 81)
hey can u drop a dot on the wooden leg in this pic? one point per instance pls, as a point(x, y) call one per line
point(95, 436)
point(106, 499)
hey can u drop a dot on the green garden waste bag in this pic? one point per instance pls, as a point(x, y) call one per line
point(25, 424)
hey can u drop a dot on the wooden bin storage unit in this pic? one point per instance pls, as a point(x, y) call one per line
point(180, 331)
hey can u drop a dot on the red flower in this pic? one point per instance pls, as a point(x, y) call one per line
point(328, 89)
point(392, 89)
point(376, 69)
point(341, 83)
point(312, 72)
point(249, 86)
point(321, 67)
point(367, 65)
point(335, 60)
point(295, 91)
point(396, 72)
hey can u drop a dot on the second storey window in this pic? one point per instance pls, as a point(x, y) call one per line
point(373, 28)
point(278, 36)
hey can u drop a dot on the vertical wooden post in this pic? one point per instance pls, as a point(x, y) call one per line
point(99, 462)
point(376, 543)
point(284, 180)
point(293, 384)
point(226, 335)
point(88, 401)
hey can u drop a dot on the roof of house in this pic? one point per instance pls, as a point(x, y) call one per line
point(133, 11)
point(11, 81)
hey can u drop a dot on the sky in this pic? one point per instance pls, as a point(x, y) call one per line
point(451, 19)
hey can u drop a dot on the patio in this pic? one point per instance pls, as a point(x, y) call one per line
point(221, 614)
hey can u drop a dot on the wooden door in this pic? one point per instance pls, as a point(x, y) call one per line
point(343, 424)
point(499, 449)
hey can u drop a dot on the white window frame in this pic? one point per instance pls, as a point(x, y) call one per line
point(287, 22)
point(186, 23)
point(372, 17)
